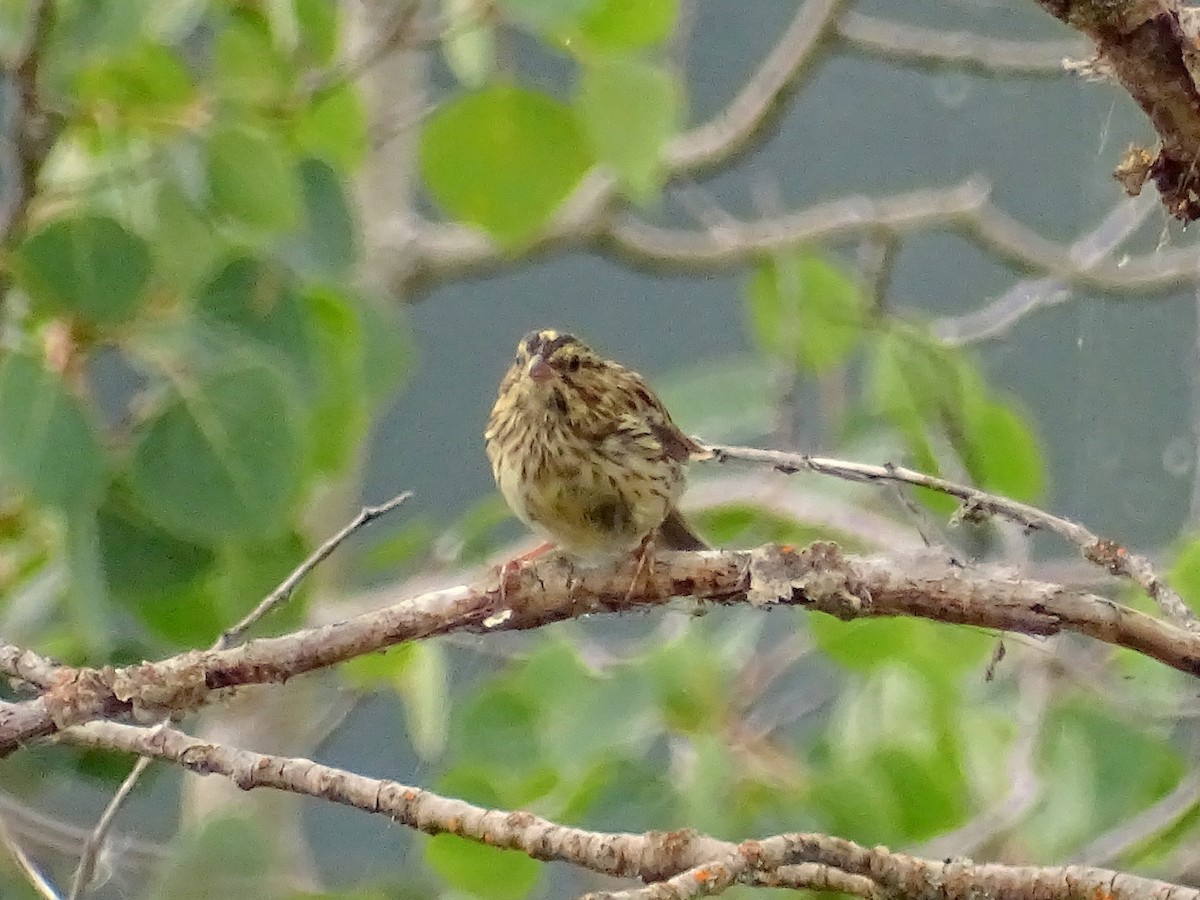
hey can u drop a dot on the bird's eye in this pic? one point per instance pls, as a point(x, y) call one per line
point(573, 364)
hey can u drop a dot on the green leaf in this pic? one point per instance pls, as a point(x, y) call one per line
point(389, 353)
point(546, 16)
point(892, 769)
point(580, 705)
point(1185, 572)
point(805, 311)
point(916, 384)
point(925, 387)
point(938, 652)
point(185, 246)
point(1006, 457)
point(150, 87)
point(88, 599)
point(424, 686)
point(340, 408)
point(333, 128)
point(318, 30)
point(629, 110)
point(483, 871)
point(249, 68)
point(221, 460)
point(402, 550)
point(380, 670)
point(619, 794)
point(692, 688)
point(1107, 771)
point(741, 524)
point(253, 179)
point(476, 529)
point(921, 380)
point(504, 159)
point(630, 23)
point(258, 306)
point(496, 729)
point(141, 560)
point(326, 245)
point(88, 266)
point(47, 442)
point(249, 570)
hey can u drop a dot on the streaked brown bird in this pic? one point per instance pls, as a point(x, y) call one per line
point(585, 453)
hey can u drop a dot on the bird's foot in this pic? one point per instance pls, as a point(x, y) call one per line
point(512, 568)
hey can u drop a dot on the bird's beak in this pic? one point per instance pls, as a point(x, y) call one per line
point(538, 369)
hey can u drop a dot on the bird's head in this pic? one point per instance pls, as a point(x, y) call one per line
point(547, 357)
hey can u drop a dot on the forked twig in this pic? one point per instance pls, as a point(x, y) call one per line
point(1108, 554)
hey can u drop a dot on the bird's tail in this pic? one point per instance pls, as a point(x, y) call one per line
point(676, 534)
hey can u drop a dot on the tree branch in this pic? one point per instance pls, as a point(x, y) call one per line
point(550, 590)
point(787, 860)
point(729, 132)
point(442, 249)
point(930, 47)
point(25, 137)
point(1152, 53)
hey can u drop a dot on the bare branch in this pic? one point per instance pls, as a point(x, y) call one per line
point(989, 55)
point(443, 248)
point(787, 860)
point(738, 241)
point(552, 589)
point(1104, 552)
point(28, 666)
point(1152, 821)
point(730, 131)
point(1151, 52)
point(995, 319)
point(964, 209)
point(32, 825)
point(24, 150)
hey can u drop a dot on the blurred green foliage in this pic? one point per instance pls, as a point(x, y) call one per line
point(189, 363)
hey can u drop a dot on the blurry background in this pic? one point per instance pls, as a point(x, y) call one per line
point(322, 228)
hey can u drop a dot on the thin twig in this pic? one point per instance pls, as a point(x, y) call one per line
point(27, 866)
point(1145, 825)
point(1108, 554)
point(996, 318)
point(287, 587)
point(934, 47)
point(34, 825)
point(731, 130)
point(95, 841)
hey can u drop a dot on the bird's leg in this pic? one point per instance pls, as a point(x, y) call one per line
point(510, 568)
point(645, 563)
